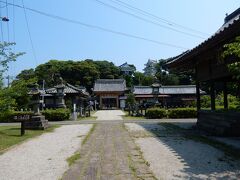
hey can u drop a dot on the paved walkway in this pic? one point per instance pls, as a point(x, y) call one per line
point(109, 153)
point(109, 115)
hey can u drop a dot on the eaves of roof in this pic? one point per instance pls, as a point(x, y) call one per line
point(228, 31)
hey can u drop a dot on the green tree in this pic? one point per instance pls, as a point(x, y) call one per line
point(50, 71)
point(128, 79)
point(6, 56)
point(231, 56)
point(148, 80)
point(86, 72)
point(138, 78)
point(26, 74)
point(143, 80)
point(106, 69)
point(19, 91)
point(7, 99)
point(232, 50)
point(130, 100)
point(16, 96)
point(76, 72)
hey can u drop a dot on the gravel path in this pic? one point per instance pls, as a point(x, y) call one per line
point(179, 158)
point(109, 115)
point(43, 157)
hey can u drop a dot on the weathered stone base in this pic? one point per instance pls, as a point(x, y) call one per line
point(37, 123)
point(219, 123)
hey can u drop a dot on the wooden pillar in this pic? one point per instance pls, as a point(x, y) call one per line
point(198, 95)
point(212, 91)
point(225, 95)
point(100, 102)
point(117, 102)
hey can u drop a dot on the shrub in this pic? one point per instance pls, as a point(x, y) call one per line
point(56, 114)
point(8, 116)
point(182, 113)
point(155, 113)
point(205, 101)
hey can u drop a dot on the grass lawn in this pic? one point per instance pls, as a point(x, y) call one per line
point(10, 135)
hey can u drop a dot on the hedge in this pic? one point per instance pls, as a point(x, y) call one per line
point(158, 113)
point(182, 113)
point(56, 114)
point(155, 113)
point(8, 116)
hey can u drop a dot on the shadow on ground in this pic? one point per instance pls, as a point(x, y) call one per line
point(200, 158)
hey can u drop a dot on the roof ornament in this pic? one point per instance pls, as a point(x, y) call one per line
point(5, 19)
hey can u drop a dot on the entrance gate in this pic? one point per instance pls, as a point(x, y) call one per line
point(109, 103)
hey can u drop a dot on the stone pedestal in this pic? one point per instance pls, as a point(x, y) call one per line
point(37, 122)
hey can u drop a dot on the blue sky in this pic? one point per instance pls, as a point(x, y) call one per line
point(55, 39)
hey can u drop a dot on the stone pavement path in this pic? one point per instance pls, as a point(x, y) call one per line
point(109, 153)
point(109, 115)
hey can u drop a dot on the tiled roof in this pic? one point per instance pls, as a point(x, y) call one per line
point(191, 89)
point(68, 89)
point(142, 90)
point(126, 67)
point(231, 21)
point(181, 89)
point(108, 85)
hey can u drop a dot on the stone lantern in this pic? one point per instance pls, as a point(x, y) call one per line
point(37, 121)
point(155, 91)
point(35, 99)
point(60, 102)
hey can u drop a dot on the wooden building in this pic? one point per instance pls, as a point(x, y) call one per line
point(206, 60)
point(72, 95)
point(166, 96)
point(110, 93)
